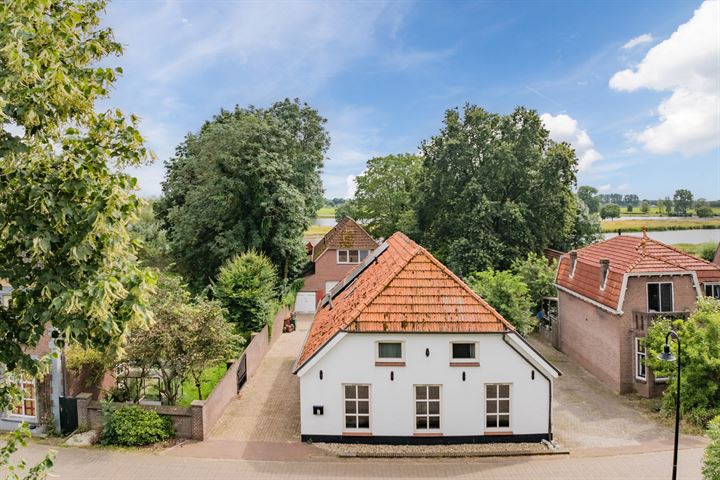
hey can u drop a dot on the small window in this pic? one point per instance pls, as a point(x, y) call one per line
point(390, 351)
point(660, 297)
point(364, 254)
point(353, 256)
point(26, 407)
point(342, 256)
point(640, 373)
point(497, 406)
point(463, 351)
point(357, 407)
point(712, 290)
point(427, 407)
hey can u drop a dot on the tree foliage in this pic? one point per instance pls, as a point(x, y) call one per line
point(700, 361)
point(493, 188)
point(683, 201)
point(385, 195)
point(538, 275)
point(586, 229)
point(250, 178)
point(610, 210)
point(589, 195)
point(247, 287)
point(711, 464)
point(506, 293)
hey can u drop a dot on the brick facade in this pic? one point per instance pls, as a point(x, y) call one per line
point(326, 270)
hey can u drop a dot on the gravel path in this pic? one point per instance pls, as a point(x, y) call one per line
point(419, 451)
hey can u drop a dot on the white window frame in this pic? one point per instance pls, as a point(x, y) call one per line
point(710, 284)
point(459, 360)
point(427, 414)
point(640, 357)
point(378, 358)
point(347, 256)
point(672, 296)
point(498, 413)
point(357, 413)
point(20, 383)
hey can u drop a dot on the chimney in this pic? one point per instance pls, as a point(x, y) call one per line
point(573, 261)
point(604, 268)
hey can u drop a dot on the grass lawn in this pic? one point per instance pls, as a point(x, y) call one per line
point(702, 250)
point(210, 377)
point(672, 223)
point(317, 230)
point(326, 212)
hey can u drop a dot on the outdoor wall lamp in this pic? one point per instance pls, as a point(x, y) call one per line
point(667, 356)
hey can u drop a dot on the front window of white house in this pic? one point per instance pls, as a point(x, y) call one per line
point(357, 407)
point(497, 406)
point(427, 408)
point(390, 352)
point(463, 353)
point(26, 407)
point(660, 297)
point(640, 359)
point(712, 290)
point(351, 256)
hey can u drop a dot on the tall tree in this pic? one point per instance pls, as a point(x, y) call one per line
point(384, 198)
point(493, 189)
point(586, 229)
point(683, 201)
point(250, 178)
point(589, 196)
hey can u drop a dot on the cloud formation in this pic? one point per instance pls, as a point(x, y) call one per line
point(564, 128)
point(687, 65)
point(639, 40)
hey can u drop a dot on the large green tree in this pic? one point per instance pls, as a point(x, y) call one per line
point(250, 178)
point(589, 195)
point(384, 199)
point(494, 187)
point(683, 201)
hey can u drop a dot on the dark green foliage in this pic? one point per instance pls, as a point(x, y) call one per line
point(506, 293)
point(700, 337)
point(538, 275)
point(247, 287)
point(610, 210)
point(385, 195)
point(711, 466)
point(589, 195)
point(683, 201)
point(133, 426)
point(704, 211)
point(586, 229)
point(250, 178)
point(493, 188)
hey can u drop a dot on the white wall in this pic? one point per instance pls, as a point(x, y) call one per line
point(352, 360)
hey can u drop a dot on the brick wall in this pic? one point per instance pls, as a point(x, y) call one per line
point(326, 270)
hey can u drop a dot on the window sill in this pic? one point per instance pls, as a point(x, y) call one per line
point(389, 364)
point(496, 433)
point(464, 364)
point(640, 380)
point(428, 434)
point(357, 434)
point(662, 380)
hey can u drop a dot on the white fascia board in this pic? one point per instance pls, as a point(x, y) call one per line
point(590, 300)
point(531, 355)
point(320, 353)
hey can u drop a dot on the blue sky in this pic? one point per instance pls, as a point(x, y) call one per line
point(634, 86)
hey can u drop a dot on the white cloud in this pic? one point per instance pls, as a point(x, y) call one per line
point(564, 128)
point(639, 40)
point(604, 188)
point(687, 65)
point(351, 186)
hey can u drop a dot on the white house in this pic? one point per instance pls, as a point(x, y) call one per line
point(402, 351)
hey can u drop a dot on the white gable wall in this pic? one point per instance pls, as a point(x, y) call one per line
point(352, 360)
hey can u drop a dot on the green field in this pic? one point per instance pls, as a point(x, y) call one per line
point(702, 250)
point(209, 379)
point(654, 212)
point(326, 212)
point(678, 223)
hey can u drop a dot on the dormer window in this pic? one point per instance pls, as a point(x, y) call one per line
point(604, 270)
point(351, 256)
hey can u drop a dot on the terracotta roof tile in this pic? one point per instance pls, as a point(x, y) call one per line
point(627, 254)
point(405, 289)
point(346, 234)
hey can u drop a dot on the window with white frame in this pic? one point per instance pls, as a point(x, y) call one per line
point(497, 406)
point(357, 407)
point(26, 406)
point(463, 351)
point(351, 256)
point(712, 290)
point(640, 372)
point(660, 297)
point(390, 352)
point(427, 408)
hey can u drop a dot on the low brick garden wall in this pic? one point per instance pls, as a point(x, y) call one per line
point(196, 421)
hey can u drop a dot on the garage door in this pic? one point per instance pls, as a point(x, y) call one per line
point(305, 302)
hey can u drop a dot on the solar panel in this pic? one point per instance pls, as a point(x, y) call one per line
point(353, 275)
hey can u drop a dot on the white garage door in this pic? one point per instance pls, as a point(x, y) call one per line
point(305, 302)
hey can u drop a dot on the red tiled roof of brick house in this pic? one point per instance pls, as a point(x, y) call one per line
point(627, 255)
point(345, 234)
point(402, 289)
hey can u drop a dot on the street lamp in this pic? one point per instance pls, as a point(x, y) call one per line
point(666, 356)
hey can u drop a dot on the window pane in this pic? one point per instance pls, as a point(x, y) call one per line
point(349, 391)
point(463, 350)
point(420, 392)
point(363, 406)
point(350, 407)
point(504, 421)
point(389, 350)
point(363, 254)
point(434, 408)
point(491, 406)
point(641, 345)
point(491, 391)
point(342, 255)
point(421, 422)
point(653, 297)
point(504, 406)
point(363, 421)
point(666, 297)
point(434, 392)
point(504, 391)
point(709, 290)
point(434, 422)
point(420, 408)
point(491, 422)
point(716, 291)
point(353, 256)
point(363, 392)
point(350, 422)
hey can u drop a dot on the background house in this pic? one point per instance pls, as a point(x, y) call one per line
point(610, 292)
point(338, 252)
point(404, 352)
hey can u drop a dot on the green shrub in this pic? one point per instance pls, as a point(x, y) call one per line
point(506, 293)
point(610, 210)
point(711, 466)
point(538, 275)
point(704, 211)
point(133, 426)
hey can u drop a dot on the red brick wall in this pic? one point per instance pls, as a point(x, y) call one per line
point(326, 270)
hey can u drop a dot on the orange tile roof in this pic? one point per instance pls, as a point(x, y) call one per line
point(405, 290)
point(346, 234)
point(627, 255)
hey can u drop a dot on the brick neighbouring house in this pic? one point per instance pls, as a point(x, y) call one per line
point(608, 295)
point(338, 252)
